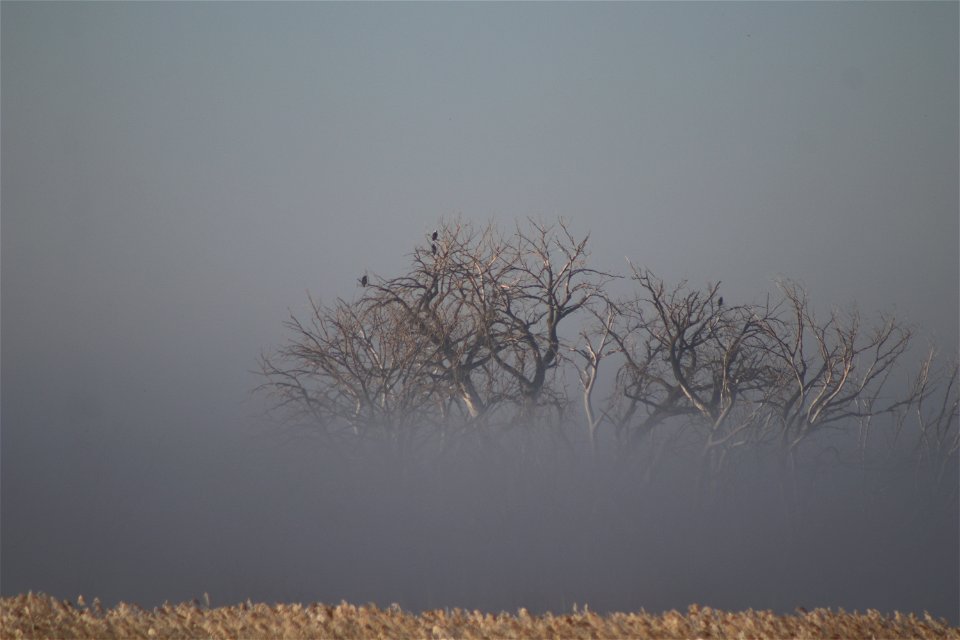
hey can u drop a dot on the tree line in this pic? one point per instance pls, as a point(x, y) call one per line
point(498, 332)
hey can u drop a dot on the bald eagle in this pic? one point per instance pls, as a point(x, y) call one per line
point(363, 280)
point(434, 236)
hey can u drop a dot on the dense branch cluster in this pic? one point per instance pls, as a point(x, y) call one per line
point(481, 330)
point(471, 333)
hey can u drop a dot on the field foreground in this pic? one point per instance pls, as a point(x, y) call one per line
point(41, 616)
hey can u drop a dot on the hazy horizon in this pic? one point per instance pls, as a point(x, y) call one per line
point(177, 176)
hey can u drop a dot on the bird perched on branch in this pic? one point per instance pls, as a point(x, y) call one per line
point(434, 236)
point(363, 280)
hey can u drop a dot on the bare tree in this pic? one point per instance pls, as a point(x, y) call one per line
point(645, 392)
point(827, 373)
point(448, 301)
point(595, 345)
point(691, 361)
point(935, 412)
point(480, 329)
point(491, 307)
point(351, 367)
point(473, 327)
point(546, 281)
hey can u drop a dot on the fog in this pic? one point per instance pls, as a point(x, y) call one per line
point(176, 177)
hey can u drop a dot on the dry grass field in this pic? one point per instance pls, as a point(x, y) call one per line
point(40, 616)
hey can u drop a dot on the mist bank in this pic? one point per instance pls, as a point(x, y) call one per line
point(532, 518)
point(500, 526)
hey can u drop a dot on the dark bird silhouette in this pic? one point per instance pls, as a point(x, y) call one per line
point(433, 248)
point(363, 280)
point(434, 236)
point(720, 301)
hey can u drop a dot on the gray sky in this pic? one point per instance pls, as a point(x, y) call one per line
point(176, 175)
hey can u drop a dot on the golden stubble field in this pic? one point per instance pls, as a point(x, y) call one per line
point(41, 616)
